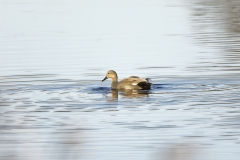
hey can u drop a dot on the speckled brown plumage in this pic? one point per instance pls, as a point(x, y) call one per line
point(133, 82)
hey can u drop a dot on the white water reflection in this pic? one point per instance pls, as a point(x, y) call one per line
point(72, 39)
point(215, 24)
point(54, 55)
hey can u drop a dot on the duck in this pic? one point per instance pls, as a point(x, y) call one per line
point(130, 83)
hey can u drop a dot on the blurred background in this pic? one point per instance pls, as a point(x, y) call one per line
point(54, 54)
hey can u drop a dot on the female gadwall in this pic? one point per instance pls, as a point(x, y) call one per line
point(133, 82)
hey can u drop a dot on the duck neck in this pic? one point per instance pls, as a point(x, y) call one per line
point(114, 82)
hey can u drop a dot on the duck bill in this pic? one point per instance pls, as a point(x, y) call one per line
point(104, 79)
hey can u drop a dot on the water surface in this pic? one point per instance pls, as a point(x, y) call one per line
point(54, 55)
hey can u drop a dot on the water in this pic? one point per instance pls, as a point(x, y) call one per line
point(54, 55)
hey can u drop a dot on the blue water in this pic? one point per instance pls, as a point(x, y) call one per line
point(54, 55)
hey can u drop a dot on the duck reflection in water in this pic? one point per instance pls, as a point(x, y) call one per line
point(128, 93)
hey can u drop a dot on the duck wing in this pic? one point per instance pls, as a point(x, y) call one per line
point(136, 82)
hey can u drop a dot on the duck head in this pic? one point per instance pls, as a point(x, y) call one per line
point(110, 74)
